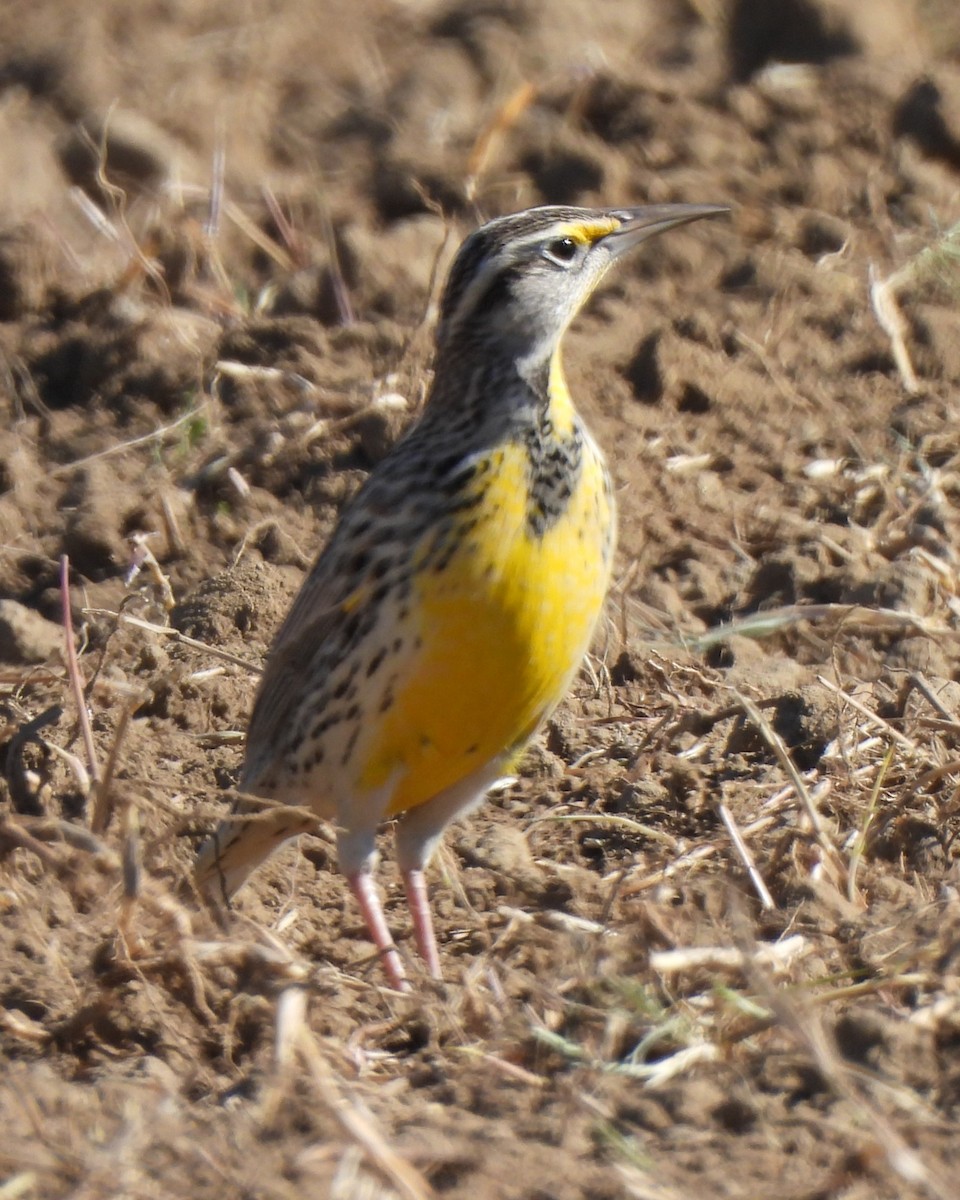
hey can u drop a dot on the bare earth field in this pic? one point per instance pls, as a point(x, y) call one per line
point(222, 230)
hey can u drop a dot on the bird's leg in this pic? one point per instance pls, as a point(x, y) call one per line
point(419, 904)
point(418, 834)
point(357, 852)
point(364, 887)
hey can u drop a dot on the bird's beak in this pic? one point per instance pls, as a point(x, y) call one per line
point(642, 223)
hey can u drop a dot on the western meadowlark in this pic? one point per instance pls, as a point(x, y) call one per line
point(458, 594)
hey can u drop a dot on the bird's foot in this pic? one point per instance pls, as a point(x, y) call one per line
point(419, 904)
point(368, 898)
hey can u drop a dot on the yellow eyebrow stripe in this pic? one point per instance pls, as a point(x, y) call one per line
point(587, 232)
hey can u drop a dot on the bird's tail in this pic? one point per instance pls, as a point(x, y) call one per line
point(243, 841)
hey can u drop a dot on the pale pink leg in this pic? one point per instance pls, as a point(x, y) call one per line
point(418, 832)
point(363, 886)
point(419, 903)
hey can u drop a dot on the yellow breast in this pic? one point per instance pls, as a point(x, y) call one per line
point(503, 625)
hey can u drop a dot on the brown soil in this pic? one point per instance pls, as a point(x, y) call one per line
point(623, 1013)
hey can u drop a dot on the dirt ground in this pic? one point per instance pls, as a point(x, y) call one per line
point(708, 943)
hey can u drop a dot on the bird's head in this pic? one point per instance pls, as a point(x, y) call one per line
point(518, 281)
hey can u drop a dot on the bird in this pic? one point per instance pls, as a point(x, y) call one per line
point(459, 592)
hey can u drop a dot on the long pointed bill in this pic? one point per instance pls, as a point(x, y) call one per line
point(642, 223)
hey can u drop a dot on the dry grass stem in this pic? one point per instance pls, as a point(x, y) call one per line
point(860, 845)
point(775, 955)
point(745, 856)
point(169, 632)
point(504, 119)
point(125, 447)
point(940, 260)
point(855, 618)
point(259, 237)
point(886, 308)
point(388, 401)
point(75, 763)
point(143, 556)
point(567, 922)
point(831, 857)
point(73, 672)
point(876, 721)
point(103, 799)
point(360, 1126)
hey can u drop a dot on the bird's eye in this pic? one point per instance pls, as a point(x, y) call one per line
point(561, 250)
